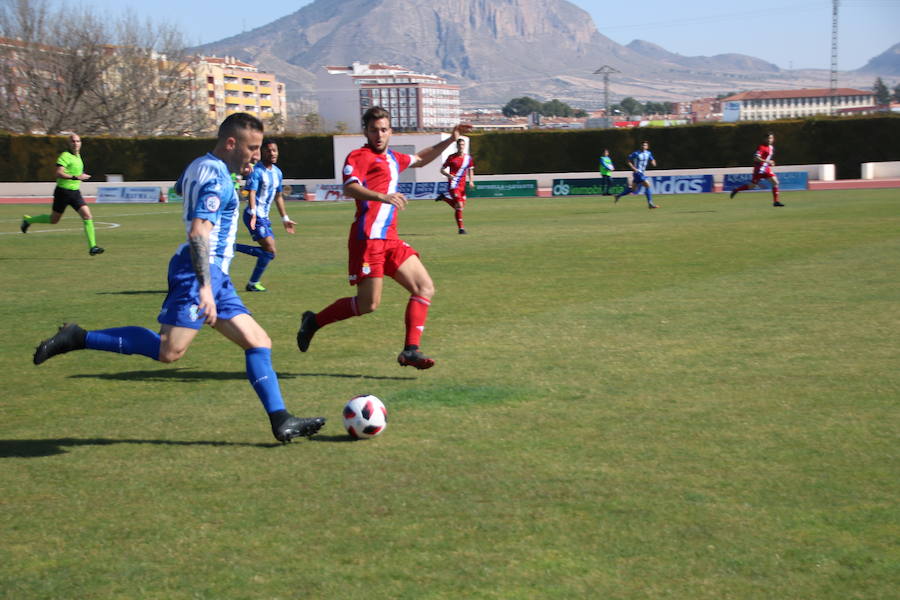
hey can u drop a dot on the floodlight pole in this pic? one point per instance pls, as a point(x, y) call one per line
point(606, 70)
point(834, 53)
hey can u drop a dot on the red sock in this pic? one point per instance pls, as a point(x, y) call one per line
point(450, 201)
point(416, 314)
point(775, 193)
point(744, 187)
point(338, 311)
point(459, 221)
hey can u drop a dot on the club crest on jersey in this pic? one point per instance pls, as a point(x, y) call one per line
point(366, 269)
point(212, 203)
point(194, 312)
point(348, 169)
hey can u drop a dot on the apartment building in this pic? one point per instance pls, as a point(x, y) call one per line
point(793, 104)
point(228, 85)
point(417, 102)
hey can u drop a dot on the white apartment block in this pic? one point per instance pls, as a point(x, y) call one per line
point(793, 104)
point(227, 85)
point(415, 101)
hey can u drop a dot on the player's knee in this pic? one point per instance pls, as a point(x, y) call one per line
point(367, 307)
point(425, 289)
point(170, 355)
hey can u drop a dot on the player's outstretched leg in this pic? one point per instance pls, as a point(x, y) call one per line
point(69, 337)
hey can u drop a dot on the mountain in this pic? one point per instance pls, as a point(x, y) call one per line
point(494, 49)
point(886, 64)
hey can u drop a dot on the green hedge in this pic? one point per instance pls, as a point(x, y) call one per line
point(846, 142)
point(33, 158)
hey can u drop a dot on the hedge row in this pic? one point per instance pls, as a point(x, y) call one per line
point(33, 158)
point(845, 142)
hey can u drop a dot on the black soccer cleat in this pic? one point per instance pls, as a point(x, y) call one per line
point(293, 427)
point(24, 226)
point(308, 328)
point(777, 203)
point(414, 358)
point(462, 231)
point(69, 337)
point(439, 197)
point(94, 251)
point(733, 193)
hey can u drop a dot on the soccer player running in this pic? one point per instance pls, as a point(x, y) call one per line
point(606, 169)
point(762, 169)
point(459, 168)
point(69, 175)
point(200, 290)
point(370, 177)
point(264, 186)
point(638, 162)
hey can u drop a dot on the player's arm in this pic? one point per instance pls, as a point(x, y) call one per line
point(653, 162)
point(445, 171)
point(356, 191)
point(429, 154)
point(198, 241)
point(285, 219)
point(630, 165)
point(471, 176)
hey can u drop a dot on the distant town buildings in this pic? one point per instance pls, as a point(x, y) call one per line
point(796, 104)
point(228, 85)
point(417, 102)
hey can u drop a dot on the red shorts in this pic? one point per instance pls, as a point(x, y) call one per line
point(376, 258)
point(458, 195)
point(766, 174)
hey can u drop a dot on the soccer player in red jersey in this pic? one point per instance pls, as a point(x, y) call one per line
point(762, 169)
point(459, 168)
point(370, 177)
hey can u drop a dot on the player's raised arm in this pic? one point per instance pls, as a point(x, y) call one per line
point(429, 154)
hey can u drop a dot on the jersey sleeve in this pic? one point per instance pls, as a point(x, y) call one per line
point(253, 181)
point(63, 160)
point(280, 187)
point(211, 196)
point(355, 166)
point(403, 160)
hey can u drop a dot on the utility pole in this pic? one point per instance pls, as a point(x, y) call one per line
point(834, 53)
point(606, 70)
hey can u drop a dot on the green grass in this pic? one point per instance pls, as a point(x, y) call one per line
point(698, 402)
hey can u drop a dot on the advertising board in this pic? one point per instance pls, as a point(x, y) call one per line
point(128, 194)
point(517, 188)
point(789, 180)
point(587, 187)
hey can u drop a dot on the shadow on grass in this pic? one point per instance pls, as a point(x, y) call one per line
point(133, 292)
point(53, 447)
point(188, 375)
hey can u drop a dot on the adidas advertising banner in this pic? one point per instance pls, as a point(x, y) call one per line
point(681, 184)
point(790, 181)
point(503, 189)
point(330, 192)
point(128, 194)
point(588, 187)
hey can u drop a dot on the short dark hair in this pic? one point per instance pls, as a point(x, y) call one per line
point(373, 114)
point(235, 121)
point(267, 141)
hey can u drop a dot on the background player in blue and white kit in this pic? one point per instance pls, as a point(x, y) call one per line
point(200, 290)
point(638, 161)
point(264, 187)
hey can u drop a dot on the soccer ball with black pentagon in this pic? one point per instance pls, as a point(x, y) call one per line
point(365, 417)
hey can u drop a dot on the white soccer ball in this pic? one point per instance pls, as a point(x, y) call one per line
point(365, 417)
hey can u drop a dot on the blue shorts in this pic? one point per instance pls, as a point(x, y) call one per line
point(180, 306)
point(638, 178)
point(263, 227)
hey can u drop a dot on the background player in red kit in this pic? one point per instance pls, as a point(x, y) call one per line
point(370, 177)
point(762, 169)
point(459, 168)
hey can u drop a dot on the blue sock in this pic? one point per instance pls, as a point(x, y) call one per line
point(649, 195)
point(263, 378)
point(261, 263)
point(125, 340)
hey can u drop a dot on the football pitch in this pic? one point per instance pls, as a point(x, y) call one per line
point(696, 402)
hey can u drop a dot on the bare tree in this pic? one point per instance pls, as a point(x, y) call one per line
point(71, 71)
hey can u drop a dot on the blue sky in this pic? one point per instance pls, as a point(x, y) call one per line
point(790, 33)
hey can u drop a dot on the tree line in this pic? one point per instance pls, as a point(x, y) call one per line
point(69, 69)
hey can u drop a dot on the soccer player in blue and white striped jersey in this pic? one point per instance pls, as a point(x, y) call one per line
point(200, 290)
point(264, 187)
point(638, 161)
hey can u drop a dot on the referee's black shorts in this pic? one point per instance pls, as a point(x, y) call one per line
point(63, 198)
